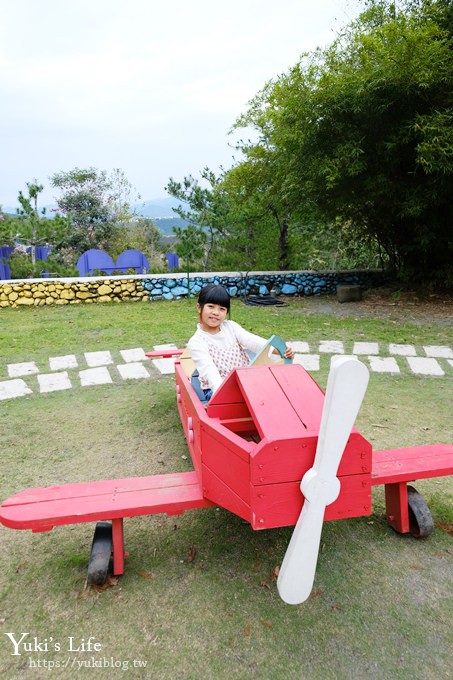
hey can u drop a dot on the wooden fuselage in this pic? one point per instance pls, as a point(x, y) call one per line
point(257, 437)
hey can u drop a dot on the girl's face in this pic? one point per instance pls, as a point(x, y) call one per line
point(211, 316)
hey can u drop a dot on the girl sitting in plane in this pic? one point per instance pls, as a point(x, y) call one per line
point(220, 345)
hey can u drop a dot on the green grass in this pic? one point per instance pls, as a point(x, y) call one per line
point(381, 605)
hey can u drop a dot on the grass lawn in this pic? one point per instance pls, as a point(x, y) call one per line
point(198, 599)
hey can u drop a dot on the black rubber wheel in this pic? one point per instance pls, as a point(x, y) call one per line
point(420, 519)
point(101, 552)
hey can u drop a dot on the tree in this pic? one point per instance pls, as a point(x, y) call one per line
point(190, 246)
point(203, 207)
point(29, 210)
point(97, 205)
point(360, 134)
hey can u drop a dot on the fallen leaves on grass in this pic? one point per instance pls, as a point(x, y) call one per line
point(315, 593)
point(191, 554)
point(145, 574)
point(446, 526)
point(266, 624)
point(109, 582)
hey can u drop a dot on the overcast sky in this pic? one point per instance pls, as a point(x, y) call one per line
point(151, 87)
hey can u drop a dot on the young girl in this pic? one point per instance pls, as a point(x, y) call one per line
point(219, 345)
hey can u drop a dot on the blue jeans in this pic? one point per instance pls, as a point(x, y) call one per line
point(204, 395)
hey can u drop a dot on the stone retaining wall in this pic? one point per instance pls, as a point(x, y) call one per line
point(40, 292)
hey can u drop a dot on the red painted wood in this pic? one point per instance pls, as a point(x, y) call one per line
point(165, 353)
point(222, 459)
point(278, 505)
point(269, 406)
point(288, 459)
point(397, 507)
point(38, 509)
point(220, 494)
point(416, 462)
point(227, 393)
point(118, 546)
point(221, 411)
point(237, 444)
point(190, 406)
point(304, 394)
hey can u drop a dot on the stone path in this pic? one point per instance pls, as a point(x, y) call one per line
point(105, 367)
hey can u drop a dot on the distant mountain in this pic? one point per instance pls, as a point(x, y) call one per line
point(158, 207)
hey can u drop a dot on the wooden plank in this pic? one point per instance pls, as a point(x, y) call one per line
point(227, 393)
point(279, 505)
point(215, 489)
point(44, 508)
point(304, 394)
point(408, 464)
point(270, 408)
point(238, 445)
point(219, 457)
point(288, 459)
point(230, 410)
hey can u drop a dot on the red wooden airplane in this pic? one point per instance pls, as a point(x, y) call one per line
point(271, 448)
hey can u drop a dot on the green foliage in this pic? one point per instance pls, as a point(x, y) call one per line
point(363, 130)
point(352, 158)
point(142, 235)
point(190, 246)
point(97, 205)
point(23, 267)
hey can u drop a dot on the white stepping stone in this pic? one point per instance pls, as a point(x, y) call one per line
point(9, 389)
point(132, 355)
point(331, 346)
point(438, 351)
point(94, 359)
point(169, 345)
point(365, 348)
point(26, 368)
point(132, 370)
point(52, 382)
point(60, 363)
point(402, 350)
point(302, 347)
point(450, 361)
point(165, 366)
point(383, 364)
point(309, 361)
point(425, 366)
point(95, 376)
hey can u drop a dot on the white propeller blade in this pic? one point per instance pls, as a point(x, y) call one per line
point(346, 387)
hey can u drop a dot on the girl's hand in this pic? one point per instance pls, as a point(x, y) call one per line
point(289, 354)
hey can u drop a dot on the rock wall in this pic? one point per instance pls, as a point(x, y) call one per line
point(40, 292)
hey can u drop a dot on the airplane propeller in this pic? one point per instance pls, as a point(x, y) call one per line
point(346, 387)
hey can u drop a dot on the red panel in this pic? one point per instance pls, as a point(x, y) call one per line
point(220, 494)
point(73, 503)
point(270, 408)
point(416, 462)
point(279, 505)
point(221, 411)
point(304, 394)
point(397, 507)
point(227, 393)
point(224, 436)
point(288, 459)
point(219, 457)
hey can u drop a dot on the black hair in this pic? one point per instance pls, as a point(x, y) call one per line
point(214, 294)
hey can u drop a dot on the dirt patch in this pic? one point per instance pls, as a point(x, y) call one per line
point(408, 307)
